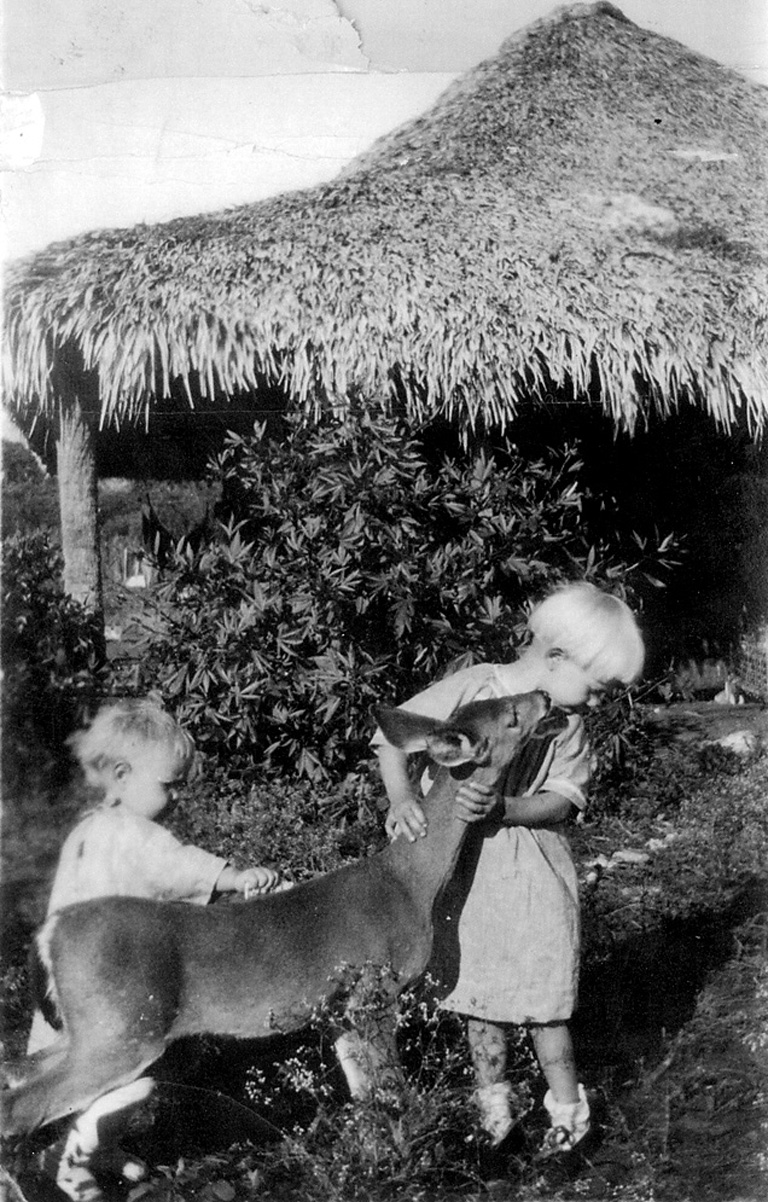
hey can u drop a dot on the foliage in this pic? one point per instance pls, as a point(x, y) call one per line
point(30, 498)
point(179, 506)
point(641, 772)
point(619, 742)
point(31, 505)
point(14, 1004)
point(51, 651)
point(351, 570)
point(298, 828)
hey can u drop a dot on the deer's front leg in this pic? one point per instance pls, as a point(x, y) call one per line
point(370, 1060)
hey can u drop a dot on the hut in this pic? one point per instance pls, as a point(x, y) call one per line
point(579, 220)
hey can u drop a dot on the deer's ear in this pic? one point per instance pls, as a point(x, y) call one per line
point(451, 747)
point(404, 730)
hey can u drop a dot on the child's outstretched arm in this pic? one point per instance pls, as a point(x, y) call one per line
point(405, 814)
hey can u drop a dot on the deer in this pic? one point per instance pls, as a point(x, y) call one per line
point(128, 976)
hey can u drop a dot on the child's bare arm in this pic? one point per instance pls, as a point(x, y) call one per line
point(405, 814)
point(475, 802)
point(541, 809)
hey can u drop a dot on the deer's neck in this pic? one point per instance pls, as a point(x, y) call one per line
point(427, 864)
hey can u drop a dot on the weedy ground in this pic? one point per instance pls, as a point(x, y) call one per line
point(672, 1031)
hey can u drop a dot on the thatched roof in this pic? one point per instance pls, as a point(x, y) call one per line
point(583, 215)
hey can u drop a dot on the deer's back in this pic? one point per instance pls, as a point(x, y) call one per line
point(240, 969)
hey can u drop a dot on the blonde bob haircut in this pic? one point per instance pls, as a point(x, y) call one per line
point(596, 630)
point(122, 732)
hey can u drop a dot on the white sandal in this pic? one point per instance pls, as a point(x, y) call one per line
point(570, 1122)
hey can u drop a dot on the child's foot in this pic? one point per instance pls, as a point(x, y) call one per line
point(570, 1126)
point(501, 1136)
point(494, 1105)
point(559, 1141)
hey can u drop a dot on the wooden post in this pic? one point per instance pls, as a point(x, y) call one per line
point(78, 507)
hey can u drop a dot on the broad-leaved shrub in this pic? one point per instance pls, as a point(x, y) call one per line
point(351, 571)
point(53, 667)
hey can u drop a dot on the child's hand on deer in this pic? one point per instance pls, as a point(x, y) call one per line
point(258, 880)
point(406, 817)
point(474, 802)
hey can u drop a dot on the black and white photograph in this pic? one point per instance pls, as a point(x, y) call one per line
point(384, 601)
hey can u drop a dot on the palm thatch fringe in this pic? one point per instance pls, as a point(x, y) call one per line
point(586, 214)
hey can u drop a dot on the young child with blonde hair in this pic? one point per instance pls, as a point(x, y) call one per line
point(134, 755)
point(518, 929)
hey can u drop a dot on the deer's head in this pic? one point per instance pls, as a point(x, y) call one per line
point(483, 733)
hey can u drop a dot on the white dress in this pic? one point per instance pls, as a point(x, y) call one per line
point(507, 929)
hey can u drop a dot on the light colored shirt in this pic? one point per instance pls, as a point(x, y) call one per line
point(113, 850)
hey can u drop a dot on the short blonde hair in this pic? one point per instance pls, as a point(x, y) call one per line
point(123, 731)
point(597, 630)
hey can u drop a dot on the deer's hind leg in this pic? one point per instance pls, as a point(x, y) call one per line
point(58, 1081)
point(102, 1082)
point(76, 1155)
point(25, 1088)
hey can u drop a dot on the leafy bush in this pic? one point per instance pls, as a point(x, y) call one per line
point(349, 571)
point(297, 828)
point(30, 497)
point(51, 651)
